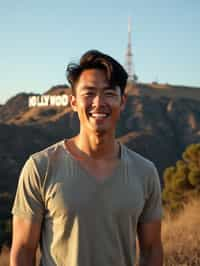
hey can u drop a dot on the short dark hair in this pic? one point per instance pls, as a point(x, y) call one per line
point(93, 59)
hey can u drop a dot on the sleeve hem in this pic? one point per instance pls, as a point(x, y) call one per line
point(25, 215)
point(151, 219)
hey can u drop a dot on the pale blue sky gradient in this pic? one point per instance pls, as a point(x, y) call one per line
point(39, 38)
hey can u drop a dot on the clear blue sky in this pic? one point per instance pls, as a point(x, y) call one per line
point(39, 38)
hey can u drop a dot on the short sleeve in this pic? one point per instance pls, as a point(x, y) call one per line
point(153, 205)
point(28, 200)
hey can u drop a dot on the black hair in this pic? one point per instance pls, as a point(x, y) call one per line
point(93, 59)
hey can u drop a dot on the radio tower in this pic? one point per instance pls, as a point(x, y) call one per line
point(129, 56)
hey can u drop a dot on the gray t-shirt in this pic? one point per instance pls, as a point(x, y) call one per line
point(84, 222)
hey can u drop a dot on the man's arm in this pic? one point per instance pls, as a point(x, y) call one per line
point(149, 236)
point(26, 235)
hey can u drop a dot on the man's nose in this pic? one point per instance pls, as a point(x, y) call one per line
point(99, 99)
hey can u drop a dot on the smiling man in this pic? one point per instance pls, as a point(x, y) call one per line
point(86, 198)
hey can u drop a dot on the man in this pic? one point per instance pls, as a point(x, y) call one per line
point(85, 198)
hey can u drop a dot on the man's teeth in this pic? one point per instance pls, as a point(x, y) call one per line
point(99, 115)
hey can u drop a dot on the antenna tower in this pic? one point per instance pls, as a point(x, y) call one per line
point(129, 56)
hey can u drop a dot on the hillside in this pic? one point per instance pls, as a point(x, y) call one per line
point(16, 110)
point(158, 127)
point(157, 90)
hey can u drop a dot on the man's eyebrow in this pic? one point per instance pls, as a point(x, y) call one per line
point(88, 87)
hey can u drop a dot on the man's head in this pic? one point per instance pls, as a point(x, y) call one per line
point(93, 59)
point(98, 84)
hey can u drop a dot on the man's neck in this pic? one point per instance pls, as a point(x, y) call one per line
point(97, 146)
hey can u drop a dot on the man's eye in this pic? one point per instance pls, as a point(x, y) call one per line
point(89, 93)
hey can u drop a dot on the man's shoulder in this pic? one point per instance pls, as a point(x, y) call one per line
point(49, 154)
point(142, 169)
point(135, 157)
point(137, 161)
point(49, 150)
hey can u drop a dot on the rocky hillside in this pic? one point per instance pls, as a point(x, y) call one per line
point(158, 122)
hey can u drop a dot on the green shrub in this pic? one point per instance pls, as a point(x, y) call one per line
point(182, 181)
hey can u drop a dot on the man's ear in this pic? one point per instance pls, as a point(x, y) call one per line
point(123, 102)
point(73, 102)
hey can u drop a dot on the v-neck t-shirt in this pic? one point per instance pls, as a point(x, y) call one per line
point(85, 222)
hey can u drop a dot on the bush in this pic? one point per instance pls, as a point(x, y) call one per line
point(182, 181)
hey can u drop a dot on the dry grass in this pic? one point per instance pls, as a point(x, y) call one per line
point(181, 238)
point(4, 257)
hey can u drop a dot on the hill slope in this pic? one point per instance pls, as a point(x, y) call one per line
point(158, 127)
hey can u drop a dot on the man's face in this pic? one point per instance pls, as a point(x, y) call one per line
point(97, 104)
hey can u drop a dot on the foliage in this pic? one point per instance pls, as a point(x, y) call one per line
point(181, 236)
point(182, 180)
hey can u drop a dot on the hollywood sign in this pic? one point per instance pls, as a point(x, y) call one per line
point(48, 100)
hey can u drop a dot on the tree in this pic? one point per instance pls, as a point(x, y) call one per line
point(182, 181)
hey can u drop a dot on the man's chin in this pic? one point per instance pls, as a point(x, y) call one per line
point(100, 131)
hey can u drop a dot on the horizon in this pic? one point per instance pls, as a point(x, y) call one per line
point(32, 94)
point(40, 39)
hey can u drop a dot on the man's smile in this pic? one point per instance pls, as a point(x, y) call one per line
point(99, 115)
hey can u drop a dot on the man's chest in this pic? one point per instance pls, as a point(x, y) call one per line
point(100, 171)
point(79, 193)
